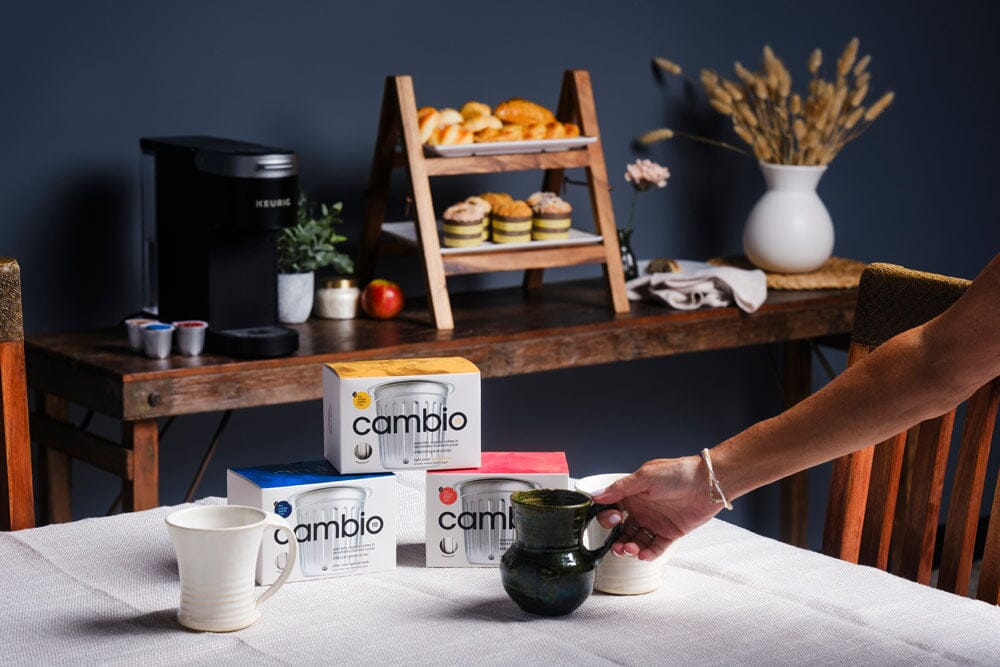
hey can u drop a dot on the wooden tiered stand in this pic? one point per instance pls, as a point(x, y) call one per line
point(398, 126)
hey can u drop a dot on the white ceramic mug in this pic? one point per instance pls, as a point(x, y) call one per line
point(216, 547)
point(619, 575)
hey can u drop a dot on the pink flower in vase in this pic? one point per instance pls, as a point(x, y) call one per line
point(643, 174)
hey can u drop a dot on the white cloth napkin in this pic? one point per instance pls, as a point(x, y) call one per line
point(713, 286)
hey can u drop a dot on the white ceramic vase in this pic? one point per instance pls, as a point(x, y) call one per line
point(789, 229)
point(295, 297)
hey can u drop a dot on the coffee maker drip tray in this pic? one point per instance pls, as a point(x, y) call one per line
point(263, 341)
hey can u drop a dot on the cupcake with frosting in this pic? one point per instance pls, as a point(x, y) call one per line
point(463, 226)
point(512, 223)
point(550, 220)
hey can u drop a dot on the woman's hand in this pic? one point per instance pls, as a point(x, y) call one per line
point(664, 500)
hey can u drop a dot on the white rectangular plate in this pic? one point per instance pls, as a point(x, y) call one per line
point(508, 147)
point(407, 231)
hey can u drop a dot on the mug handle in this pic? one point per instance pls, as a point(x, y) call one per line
point(293, 550)
point(602, 550)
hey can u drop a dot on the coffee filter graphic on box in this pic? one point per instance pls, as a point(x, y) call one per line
point(488, 501)
point(327, 511)
point(418, 411)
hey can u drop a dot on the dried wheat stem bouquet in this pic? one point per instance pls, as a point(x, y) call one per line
point(783, 127)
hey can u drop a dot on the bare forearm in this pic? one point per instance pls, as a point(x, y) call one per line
point(863, 406)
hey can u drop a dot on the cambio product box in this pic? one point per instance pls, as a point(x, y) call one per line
point(470, 521)
point(344, 524)
point(401, 414)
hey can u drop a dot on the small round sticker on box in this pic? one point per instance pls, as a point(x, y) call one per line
point(447, 495)
point(283, 508)
point(361, 400)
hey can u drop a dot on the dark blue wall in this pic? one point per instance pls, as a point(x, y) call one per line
point(83, 81)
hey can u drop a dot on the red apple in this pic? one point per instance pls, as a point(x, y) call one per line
point(382, 299)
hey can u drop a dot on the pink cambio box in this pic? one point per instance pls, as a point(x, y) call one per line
point(469, 521)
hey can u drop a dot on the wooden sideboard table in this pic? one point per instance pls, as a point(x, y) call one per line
point(505, 332)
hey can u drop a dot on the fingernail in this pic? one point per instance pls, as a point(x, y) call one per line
point(615, 519)
point(599, 492)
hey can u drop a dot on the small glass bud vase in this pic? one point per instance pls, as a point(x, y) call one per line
point(337, 299)
point(629, 264)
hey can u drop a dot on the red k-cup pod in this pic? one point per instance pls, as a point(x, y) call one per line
point(189, 336)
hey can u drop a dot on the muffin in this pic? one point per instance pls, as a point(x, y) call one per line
point(484, 207)
point(463, 226)
point(551, 219)
point(496, 199)
point(512, 222)
point(536, 198)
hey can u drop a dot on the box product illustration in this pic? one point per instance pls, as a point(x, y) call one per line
point(401, 414)
point(470, 522)
point(345, 524)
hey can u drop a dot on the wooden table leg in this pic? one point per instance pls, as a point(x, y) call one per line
point(796, 385)
point(56, 473)
point(141, 492)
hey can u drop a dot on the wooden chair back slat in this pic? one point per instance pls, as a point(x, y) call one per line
point(989, 571)
point(880, 510)
point(845, 509)
point(885, 501)
point(967, 490)
point(17, 508)
point(924, 501)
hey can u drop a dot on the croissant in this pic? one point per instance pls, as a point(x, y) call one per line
point(427, 121)
point(555, 130)
point(472, 109)
point(511, 132)
point(450, 117)
point(572, 130)
point(478, 123)
point(487, 135)
point(523, 112)
point(534, 131)
point(450, 135)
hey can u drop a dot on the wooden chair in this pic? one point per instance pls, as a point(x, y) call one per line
point(885, 501)
point(15, 454)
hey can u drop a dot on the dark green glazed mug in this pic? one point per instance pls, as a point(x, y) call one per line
point(547, 570)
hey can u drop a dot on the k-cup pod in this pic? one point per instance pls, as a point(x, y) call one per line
point(156, 339)
point(133, 328)
point(190, 335)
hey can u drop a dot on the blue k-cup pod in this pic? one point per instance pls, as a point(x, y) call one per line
point(156, 339)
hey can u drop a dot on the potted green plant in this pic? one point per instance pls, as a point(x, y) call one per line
point(304, 248)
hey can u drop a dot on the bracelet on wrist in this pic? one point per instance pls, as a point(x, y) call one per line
point(715, 492)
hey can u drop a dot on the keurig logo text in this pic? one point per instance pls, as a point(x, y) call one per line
point(285, 202)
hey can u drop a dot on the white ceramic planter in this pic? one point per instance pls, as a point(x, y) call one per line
point(295, 297)
point(789, 229)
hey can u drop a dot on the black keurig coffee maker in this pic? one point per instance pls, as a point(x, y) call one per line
point(211, 210)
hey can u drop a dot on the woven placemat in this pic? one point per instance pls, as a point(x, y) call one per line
point(836, 273)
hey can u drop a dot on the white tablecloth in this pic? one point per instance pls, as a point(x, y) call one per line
point(105, 591)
